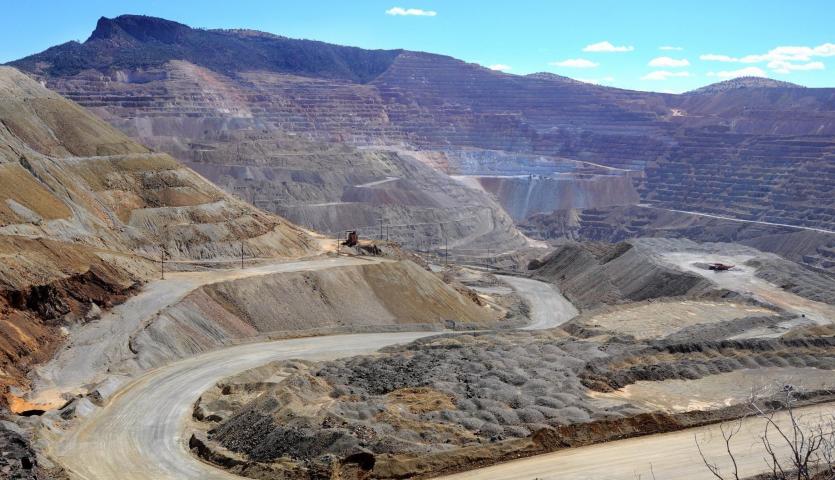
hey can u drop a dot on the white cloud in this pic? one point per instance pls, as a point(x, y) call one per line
point(575, 63)
point(410, 12)
point(742, 72)
point(784, 59)
point(787, 67)
point(670, 48)
point(668, 62)
point(660, 75)
point(712, 57)
point(607, 47)
point(500, 67)
point(597, 81)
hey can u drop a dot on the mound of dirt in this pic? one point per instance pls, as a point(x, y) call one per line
point(591, 274)
point(450, 402)
point(689, 361)
point(433, 395)
point(386, 295)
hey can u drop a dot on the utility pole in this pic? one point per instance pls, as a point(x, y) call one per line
point(446, 245)
point(242, 254)
point(381, 227)
point(162, 260)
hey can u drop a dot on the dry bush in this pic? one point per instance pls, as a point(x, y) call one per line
point(797, 451)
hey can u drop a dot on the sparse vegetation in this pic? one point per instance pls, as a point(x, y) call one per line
point(794, 449)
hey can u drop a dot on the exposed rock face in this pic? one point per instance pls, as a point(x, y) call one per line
point(82, 210)
point(70, 177)
point(17, 459)
point(763, 152)
point(332, 188)
point(524, 196)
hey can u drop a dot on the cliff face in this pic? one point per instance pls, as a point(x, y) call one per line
point(526, 196)
point(760, 151)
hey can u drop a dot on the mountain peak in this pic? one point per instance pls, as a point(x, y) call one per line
point(139, 27)
point(132, 42)
point(745, 82)
point(552, 77)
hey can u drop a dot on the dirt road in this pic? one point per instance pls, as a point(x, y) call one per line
point(548, 307)
point(740, 220)
point(139, 434)
point(670, 456)
point(102, 346)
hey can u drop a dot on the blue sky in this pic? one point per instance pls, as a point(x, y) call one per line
point(617, 43)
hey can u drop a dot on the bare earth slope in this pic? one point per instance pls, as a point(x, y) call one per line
point(84, 210)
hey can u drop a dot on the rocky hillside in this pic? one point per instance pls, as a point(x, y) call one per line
point(762, 152)
point(133, 41)
point(84, 213)
point(375, 296)
point(744, 82)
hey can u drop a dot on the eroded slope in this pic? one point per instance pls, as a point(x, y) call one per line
point(84, 211)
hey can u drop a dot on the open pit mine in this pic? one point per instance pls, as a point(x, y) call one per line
point(230, 254)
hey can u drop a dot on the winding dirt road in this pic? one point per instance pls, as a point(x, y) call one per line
point(102, 346)
point(140, 433)
point(549, 308)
